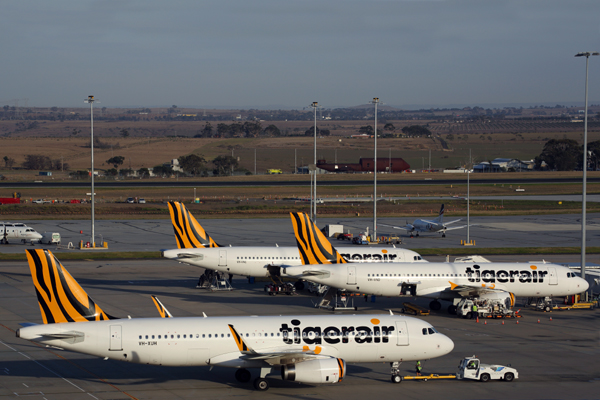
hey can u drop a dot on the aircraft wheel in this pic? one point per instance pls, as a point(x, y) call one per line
point(261, 384)
point(484, 377)
point(452, 309)
point(509, 376)
point(435, 305)
point(396, 379)
point(243, 375)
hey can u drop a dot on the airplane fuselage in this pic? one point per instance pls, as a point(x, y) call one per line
point(255, 261)
point(208, 341)
point(18, 231)
point(438, 280)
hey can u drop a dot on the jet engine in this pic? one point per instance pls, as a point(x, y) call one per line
point(329, 370)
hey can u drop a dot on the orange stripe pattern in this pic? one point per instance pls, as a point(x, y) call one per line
point(313, 246)
point(60, 297)
point(188, 232)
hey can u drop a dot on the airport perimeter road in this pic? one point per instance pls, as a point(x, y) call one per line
point(555, 359)
point(153, 235)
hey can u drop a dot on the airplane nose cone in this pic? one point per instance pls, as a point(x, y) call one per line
point(446, 345)
point(583, 285)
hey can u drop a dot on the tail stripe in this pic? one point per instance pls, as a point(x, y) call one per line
point(313, 246)
point(60, 297)
point(188, 232)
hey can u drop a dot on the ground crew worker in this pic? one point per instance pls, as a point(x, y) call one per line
point(418, 367)
point(474, 311)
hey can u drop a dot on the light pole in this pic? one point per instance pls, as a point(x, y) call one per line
point(584, 194)
point(313, 194)
point(375, 101)
point(90, 100)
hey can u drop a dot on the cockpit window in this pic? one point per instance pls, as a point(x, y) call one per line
point(424, 331)
point(431, 331)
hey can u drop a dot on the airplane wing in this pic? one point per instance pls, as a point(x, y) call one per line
point(470, 290)
point(408, 227)
point(451, 222)
point(457, 227)
point(276, 356)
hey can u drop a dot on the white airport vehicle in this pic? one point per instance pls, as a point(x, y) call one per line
point(499, 307)
point(436, 280)
point(312, 349)
point(18, 231)
point(196, 247)
point(50, 238)
point(472, 368)
point(429, 225)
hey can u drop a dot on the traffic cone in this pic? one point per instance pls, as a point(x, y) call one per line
point(485, 322)
point(550, 318)
point(80, 231)
point(502, 322)
point(517, 322)
point(538, 321)
point(477, 320)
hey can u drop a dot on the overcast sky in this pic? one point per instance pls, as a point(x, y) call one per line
point(289, 53)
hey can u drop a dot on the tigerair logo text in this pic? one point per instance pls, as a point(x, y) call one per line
point(366, 257)
point(501, 276)
point(296, 334)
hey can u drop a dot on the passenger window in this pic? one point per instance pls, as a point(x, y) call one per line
point(186, 338)
point(146, 336)
point(153, 335)
point(140, 336)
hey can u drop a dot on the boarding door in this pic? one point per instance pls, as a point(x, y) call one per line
point(222, 258)
point(553, 279)
point(351, 275)
point(115, 338)
point(401, 333)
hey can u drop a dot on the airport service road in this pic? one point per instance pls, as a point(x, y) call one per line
point(152, 235)
point(556, 359)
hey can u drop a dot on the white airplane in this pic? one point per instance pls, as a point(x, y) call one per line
point(196, 247)
point(19, 231)
point(425, 225)
point(305, 348)
point(435, 280)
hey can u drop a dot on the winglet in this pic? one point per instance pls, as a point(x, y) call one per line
point(188, 232)
point(313, 246)
point(60, 297)
point(242, 346)
point(162, 310)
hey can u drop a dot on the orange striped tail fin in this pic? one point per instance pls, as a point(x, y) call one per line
point(188, 232)
point(313, 246)
point(60, 297)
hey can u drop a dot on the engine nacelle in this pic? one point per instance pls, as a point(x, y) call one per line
point(330, 370)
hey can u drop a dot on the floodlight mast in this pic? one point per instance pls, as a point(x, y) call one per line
point(374, 238)
point(587, 55)
point(90, 100)
point(313, 194)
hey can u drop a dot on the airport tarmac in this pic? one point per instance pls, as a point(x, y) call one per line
point(563, 230)
point(556, 358)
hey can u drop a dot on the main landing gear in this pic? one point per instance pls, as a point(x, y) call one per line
point(242, 375)
point(396, 377)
